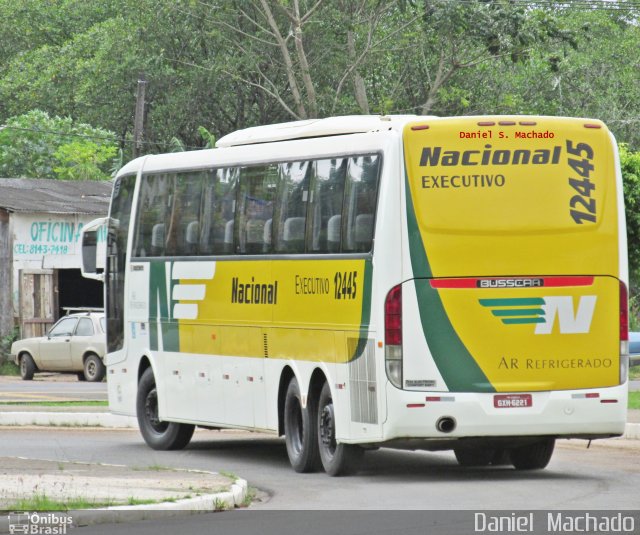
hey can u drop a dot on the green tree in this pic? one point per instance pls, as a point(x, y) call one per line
point(630, 165)
point(81, 160)
point(35, 145)
point(229, 64)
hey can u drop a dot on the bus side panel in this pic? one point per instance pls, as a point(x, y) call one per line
point(209, 326)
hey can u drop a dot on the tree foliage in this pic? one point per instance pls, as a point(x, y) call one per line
point(218, 65)
point(228, 64)
point(630, 165)
point(35, 145)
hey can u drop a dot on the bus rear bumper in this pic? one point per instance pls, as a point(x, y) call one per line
point(592, 413)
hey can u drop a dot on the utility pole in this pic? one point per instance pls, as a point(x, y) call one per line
point(138, 121)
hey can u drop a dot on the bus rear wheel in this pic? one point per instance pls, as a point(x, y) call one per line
point(470, 457)
point(300, 430)
point(533, 456)
point(156, 433)
point(337, 459)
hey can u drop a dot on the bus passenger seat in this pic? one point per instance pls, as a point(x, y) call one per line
point(191, 237)
point(157, 239)
point(293, 234)
point(266, 235)
point(333, 233)
point(255, 236)
point(228, 237)
point(364, 232)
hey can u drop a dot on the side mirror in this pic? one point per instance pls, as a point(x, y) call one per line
point(91, 234)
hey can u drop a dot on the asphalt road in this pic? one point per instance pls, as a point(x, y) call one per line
point(340, 523)
point(407, 486)
point(50, 387)
point(606, 476)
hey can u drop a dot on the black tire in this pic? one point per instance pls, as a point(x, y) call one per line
point(156, 433)
point(470, 457)
point(81, 376)
point(94, 369)
point(300, 430)
point(533, 456)
point(27, 367)
point(337, 459)
point(501, 457)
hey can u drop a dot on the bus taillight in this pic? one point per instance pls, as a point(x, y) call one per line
point(624, 316)
point(624, 333)
point(393, 335)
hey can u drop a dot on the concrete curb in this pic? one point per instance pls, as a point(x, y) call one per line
point(68, 419)
point(632, 431)
point(106, 419)
point(206, 503)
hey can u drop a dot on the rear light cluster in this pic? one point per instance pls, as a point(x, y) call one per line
point(624, 333)
point(393, 335)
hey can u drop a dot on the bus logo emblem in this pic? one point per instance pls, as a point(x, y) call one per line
point(543, 311)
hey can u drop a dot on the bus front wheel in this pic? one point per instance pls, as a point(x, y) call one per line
point(156, 433)
point(533, 456)
point(337, 459)
point(300, 430)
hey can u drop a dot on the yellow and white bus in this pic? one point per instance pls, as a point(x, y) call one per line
point(355, 282)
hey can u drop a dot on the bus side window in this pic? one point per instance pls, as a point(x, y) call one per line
point(185, 210)
point(292, 206)
point(153, 204)
point(258, 189)
point(325, 211)
point(218, 211)
point(360, 203)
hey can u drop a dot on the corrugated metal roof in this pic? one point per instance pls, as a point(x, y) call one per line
point(55, 196)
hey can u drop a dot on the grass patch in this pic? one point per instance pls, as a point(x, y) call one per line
point(634, 400)
point(57, 403)
point(9, 368)
point(153, 468)
point(634, 372)
point(229, 475)
point(220, 505)
point(136, 501)
point(42, 502)
point(252, 492)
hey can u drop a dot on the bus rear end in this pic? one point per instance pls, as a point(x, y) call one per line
point(511, 321)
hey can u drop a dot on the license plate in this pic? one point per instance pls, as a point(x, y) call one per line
point(512, 401)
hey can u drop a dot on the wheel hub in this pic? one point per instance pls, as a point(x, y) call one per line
point(327, 428)
point(151, 409)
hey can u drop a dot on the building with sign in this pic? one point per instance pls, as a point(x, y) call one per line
point(40, 226)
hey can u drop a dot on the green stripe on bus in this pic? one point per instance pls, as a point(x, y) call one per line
point(518, 312)
point(457, 366)
point(515, 302)
point(366, 310)
point(160, 307)
point(522, 321)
